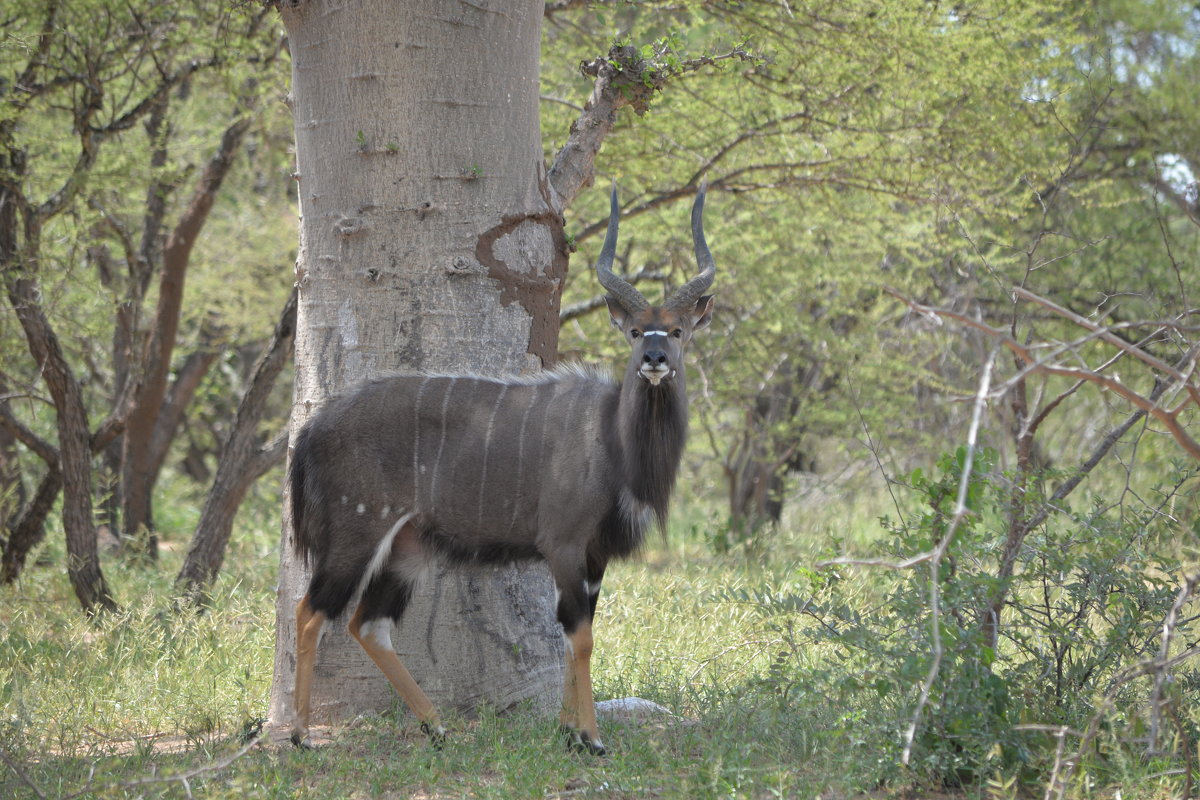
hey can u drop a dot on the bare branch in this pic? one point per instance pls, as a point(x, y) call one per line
point(935, 583)
point(182, 778)
point(1170, 623)
point(40, 447)
point(622, 78)
point(1189, 207)
point(576, 310)
point(574, 164)
point(241, 463)
point(20, 773)
point(934, 556)
point(267, 456)
point(1116, 341)
point(1168, 417)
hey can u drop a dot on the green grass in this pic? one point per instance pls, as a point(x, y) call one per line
point(126, 706)
point(95, 706)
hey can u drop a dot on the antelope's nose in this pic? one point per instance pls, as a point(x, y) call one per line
point(655, 357)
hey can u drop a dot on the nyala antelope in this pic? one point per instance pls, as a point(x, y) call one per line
point(568, 466)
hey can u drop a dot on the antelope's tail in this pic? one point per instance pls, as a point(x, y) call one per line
point(306, 503)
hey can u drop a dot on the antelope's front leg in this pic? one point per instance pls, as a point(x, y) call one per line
point(580, 660)
point(576, 609)
point(569, 716)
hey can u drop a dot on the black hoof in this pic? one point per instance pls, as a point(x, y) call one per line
point(579, 742)
point(437, 736)
point(252, 729)
point(301, 742)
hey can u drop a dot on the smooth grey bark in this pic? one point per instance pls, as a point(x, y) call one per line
point(431, 240)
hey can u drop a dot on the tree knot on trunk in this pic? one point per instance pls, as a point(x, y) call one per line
point(348, 226)
point(461, 265)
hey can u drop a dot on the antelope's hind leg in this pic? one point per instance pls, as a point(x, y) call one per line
point(308, 633)
point(383, 603)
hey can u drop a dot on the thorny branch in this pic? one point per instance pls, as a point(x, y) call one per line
point(1168, 634)
point(183, 778)
point(20, 773)
point(1157, 666)
point(960, 512)
point(1116, 341)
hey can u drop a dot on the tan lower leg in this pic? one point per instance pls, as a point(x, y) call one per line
point(581, 651)
point(390, 665)
point(569, 716)
point(308, 633)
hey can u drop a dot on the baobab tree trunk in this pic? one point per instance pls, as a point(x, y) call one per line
point(430, 240)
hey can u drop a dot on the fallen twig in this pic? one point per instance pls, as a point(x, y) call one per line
point(20, 773)
point(183, 778)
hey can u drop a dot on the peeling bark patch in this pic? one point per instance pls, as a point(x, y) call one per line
point(538, 294)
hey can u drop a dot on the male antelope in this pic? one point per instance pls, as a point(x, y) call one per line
point(568, 466)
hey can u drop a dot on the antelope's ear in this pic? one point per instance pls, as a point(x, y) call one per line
point(702, 313)
point(616, 312)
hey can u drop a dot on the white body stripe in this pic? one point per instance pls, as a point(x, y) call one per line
point(380, 630)
point(437, 463)
point(521, 458)
point(487, 445)
point(416, 470)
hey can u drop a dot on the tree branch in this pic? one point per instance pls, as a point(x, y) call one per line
point(26, 84)
point(574, 164)
point(1112, 339)
point(39, 446)
point(240, 465)
point(583, 307)
point(1167, 417)
point(1190, 208)
point(188, 378)
point(622, 78)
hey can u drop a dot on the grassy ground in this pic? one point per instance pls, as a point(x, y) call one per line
point(155, 703)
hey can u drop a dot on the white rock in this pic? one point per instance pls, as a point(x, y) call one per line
point(631, 709)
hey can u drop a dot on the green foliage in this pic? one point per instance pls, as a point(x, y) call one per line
point(787, 679)
point(1088, 598)
point(946, 152)
point(167, 81)
point(837, 157)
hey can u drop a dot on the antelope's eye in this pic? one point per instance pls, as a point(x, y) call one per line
point(634, 333)
point(677, 333)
